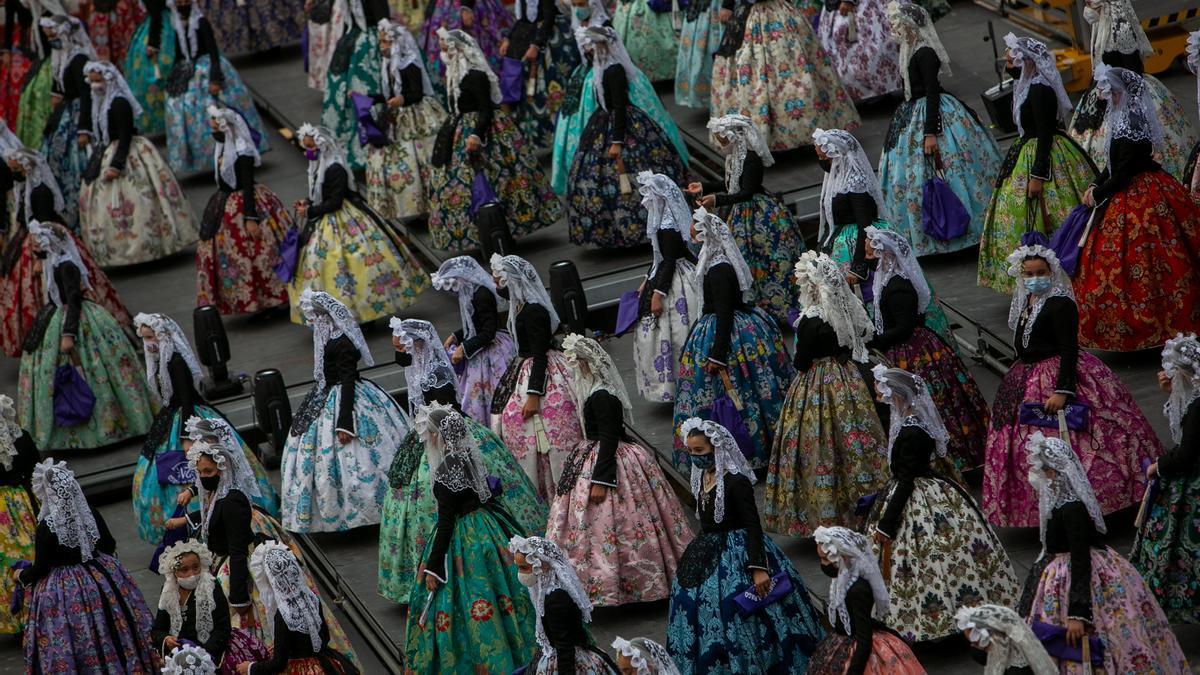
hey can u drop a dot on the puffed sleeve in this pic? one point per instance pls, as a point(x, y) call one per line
point(739, 503)
point(541, 340)
point(725, 296)
point(243, 169)
point(236, 513)
point(561, 621)
point(346, 367)
point(72, 290)
point(616, 94)
point(928, 64)
point(120, 131)
point(1079, 529)
point(333, 192)
point(208, 45)
point(1045, 113)
point(910, 459)
point(610, 421)
point(900, 300)
point(1065, 317)
point(749, 184)
point(1181, 459)
point(183, 385)
point(486, 318)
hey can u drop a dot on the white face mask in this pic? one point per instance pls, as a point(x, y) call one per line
point(527, 579)
point(96, 86)
point(188, 583)
point(1038, 479)
point(1090, 15)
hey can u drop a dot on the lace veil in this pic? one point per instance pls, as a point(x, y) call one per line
point(10, 431)
point(189, 38)
point(552, 570)
point(825, 295)
point(1038, 66)
point(115, 87)
point(171, 341)
point(238, 142)
point(282, 587)
point(330, 319)
point(1007, 638)
point(911, 404)
point(404, 53)
point(646, 656)
point(727, 458)
point(168, 601)
point(1070, 485)
point(849, 171)
point(855, 560)
point(189, 660)
point(896, 259)
point(60, 248)
point(606, 50)
point(215, 439)
point(914, 29)
point(524, 287)
point(1060, 288)
point(1115, 28)
point(464, 275)
point(740, 136)
point(63, 507)
point(718, 246)
point(602, 373)
point(37, 172)
point(430, 366)
point(329, 153)
point(1131, 113)
point(666, 209)
point(461, 55)
point(1181, 361)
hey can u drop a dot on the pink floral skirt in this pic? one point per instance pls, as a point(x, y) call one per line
point(541, 443)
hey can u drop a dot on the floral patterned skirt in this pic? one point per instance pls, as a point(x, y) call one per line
point(889, 656)
point(147, 77)
point(112, 369)
point(13, 78)
point(944, 556)
point(398, 173)
point(34, 107)
point(781, 79)
point(89, 618)
point(970, 159)
point(1136, 635)
point(235, 271)
point(649, 37)
point(1167, 548)
point(330, 487)
point(759, 369)
point(536, 115)
point(771, 243)
point(139, 216)
point(190, 143)
point(20, 526)
point(478, 380)
point(1118, 439)
point(626, 548)
point(541, 443)
point(1138, 282)
point(354, 67)
point(658, 340)
point(322, 38)
point(66, 159)
point(829, 450)
point(868, 64)
point(111, 32)
point(698, 43)
point(492, 22)
point(481, 619)
point(356, 257)
point(704, 635)
point(247, 26)
point(601, 216)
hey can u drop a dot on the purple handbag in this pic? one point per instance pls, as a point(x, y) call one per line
point(659, 6)
point(1034, 238)
point(627, 312)
point(172, 469)
point(482, 194)
point(747, 602)
point(512, 80)
point(18, 596)
point(170, 538)
point(1068, 238)
point(73, 398)
point(1054, 639)
point(369, 132)
point(725, 413)
point(943, 215)
point(1033, 414)
point(495, 486)
point(864, 504)
point(289, 254)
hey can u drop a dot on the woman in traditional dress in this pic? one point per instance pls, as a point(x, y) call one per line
point(355, 67)
point(792, 87)
point(1051, 372)
point(699, 38)
point(1044, 175)
point(649, 32)
point(1119, 41)
point(1167, 548)
point(473, 616)
point(68, 129)
point(1137, 284)
point(534, 408)
point(84, 609)
point(859, 40)
point(770, 239)
point(71, 329)
point(131, 208)
point(563, 611)
point(1002, 641)
point(325, 21)
point(614, 514)
point(859, 644)
point(20, 49)
point(398, 171)
point(932, 541)
point(111, 25)
point(479, 148)
point(643, 656)
point(201, 74)
point(18, 456)
point(669, 297)
point(1191, 177)
point(733, 349)
point(344, 433)
point(346, 248)
point(301, 637)
point(249, 27)
point(619, 141)
point(148, 62)
point(900, 297)
point(243, 227)
point(829, 447)
point(1081, 584)
point(162, 472)
point(35, 102)
point(539, 56)
point(933, 133)
point(481, 350)
point(486, 21)
point(729, 557)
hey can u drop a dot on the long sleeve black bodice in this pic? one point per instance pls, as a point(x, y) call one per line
point(49, 553)
point(485, 316)
point(1055, 333)
point(451, 505)
point(289, 644)
point(341, 369)
point(563, 623)
point(229, 535)
point(741, 513)
point(184, 396)
point(475, 95)
point(74, 85)
point(22, 464)
point(1071, 530)
point(923, 67)
point(1039, 119)
point(412, 87)
point(121, 130)
point(1181, 460)
point(816, 339)
point(154, 11)
point(750, 182)
point(206, 45)
point(898, 306)
point(860, 600)
point(70, 289)
point(534, 341)
point(525, 32)
point(335, 188)
point(616, 99)
point(855, 209)
point(218, 637)
point(603, 421)
point(243, 169)
point(911, 453)
point(722, 297)
point(1128, 159)
point(672, 248)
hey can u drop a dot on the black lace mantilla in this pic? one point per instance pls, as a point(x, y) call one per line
point(310, 409)
point(573, 468)
point(507, 385)
point(406, 461)
point(160, 428)
point(903, 118)
point(37, 332)
point(701, 558)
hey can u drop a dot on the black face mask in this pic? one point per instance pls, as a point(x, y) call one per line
point(210, 483)
point(219, 136)
point(56, 43)
point(184, 11)
point(1013, 72)
point(40, 255)
point(826, 164)
point(872, 264)
point(502, 292)
point(830, 570)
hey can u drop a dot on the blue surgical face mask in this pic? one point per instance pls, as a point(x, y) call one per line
point(1038, 285)
point(311, 154)
point(703, 461)
point(583, 13)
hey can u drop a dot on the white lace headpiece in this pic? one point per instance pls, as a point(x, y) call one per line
point(1007, 638)
point(10, 431)
point(464, 275)
point(602, 373)
point(718, 246)
point(461, 467)
point(461, 54)
point(238, 142)
point(1181, 361)
point(430, 366)
point(216, 440)
point(524, 287)
point(1115, 28)
point(896, 259)
point(727, 458)
point(914, 29)
point(1193, 59)
point(64, 508)
point(60, 248)
point(329, 153)
point(1070, 485)
point(1131, 113)
point(282, 588)
point(552, 571)
point(189, 38)
point(189, 660)
point(404, 53)
point(168, 600)
point(646, 656)
point(1038, 66)
point(75, 41)
point(115, 87)
point(911, 404)
point(849, 171)
point(36, 173)
point(606, 50)
point(740, 136)
point(824, 294)
point(852, 554)
point(171, 341)
point(1060, 287)
point(41, 10)
point(666, 209)
point(330, 319)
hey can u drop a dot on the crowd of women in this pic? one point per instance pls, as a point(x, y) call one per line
point(510, 497)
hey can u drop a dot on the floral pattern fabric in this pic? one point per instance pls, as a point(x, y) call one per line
point(492, 23)
point(771, 242)
point(247, 26)
point(864, 54)
point(111, 32)
point(322, 38)
point(190, 143)
point(1166, 550)
point(698, 42)
point(359, 74)
point(13, 78)
point(658, 340)
point(66, 159)
point(542, 442)
point(889, 656)
point(398, 173)
point(235, 271)
point(34, 107)
point(147, 77)
point(479, 378)
point(19, 521)
point(536, 115)
point(649, 36)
